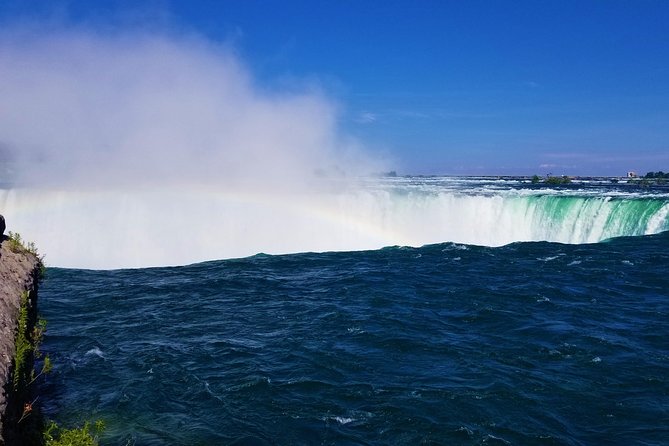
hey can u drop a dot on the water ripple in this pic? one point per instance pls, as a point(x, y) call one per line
point(531, 343)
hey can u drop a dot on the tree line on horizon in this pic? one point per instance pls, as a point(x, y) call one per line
point(658, 174)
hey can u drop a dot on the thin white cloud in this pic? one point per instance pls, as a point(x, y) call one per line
point(366, 118)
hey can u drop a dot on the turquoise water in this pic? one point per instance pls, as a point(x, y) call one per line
point(532, 343)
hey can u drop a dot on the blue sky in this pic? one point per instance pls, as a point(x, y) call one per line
point(443, 87)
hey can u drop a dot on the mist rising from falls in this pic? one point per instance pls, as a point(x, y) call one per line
point(133, 148)
point(86, 110)
point(172, 226)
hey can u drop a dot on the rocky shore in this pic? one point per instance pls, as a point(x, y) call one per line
point(19, 276)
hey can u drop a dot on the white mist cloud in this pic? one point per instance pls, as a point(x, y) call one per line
point(83, 108)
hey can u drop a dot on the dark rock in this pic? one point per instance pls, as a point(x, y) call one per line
point(2, 226)
point(19, 273)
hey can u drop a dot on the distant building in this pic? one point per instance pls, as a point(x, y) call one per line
point(631, 174)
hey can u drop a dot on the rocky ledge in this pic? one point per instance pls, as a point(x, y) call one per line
point(19, 275)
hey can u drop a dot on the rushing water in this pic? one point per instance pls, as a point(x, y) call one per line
point(527, 343)
point(186, 224)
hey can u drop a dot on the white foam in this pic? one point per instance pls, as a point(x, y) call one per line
point(343, 420)
point(547, 259)
point(94, 351)
point(659, 221)
point(188, 224)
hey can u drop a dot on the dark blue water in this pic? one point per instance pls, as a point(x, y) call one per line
point(531, 343)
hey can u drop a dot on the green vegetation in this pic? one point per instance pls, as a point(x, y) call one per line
point(38, 333)
point(658, 178)
point(24, 346)
point(27, 421)
point(556, 181)
point(85, 436)
point(27, 344)
point(657, 175)
point(17, 245)
point(553, 181)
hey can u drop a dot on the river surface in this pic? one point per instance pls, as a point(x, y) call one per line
point(529, 343)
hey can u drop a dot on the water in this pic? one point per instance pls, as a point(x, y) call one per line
point(449, 343)
point(185, 224)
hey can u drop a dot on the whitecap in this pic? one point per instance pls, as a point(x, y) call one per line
point(94, 351)
point(343, 420)
point(210, 392)
point(547, 259)
point(455, 246)
point(466, 430)
point(490, 437)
